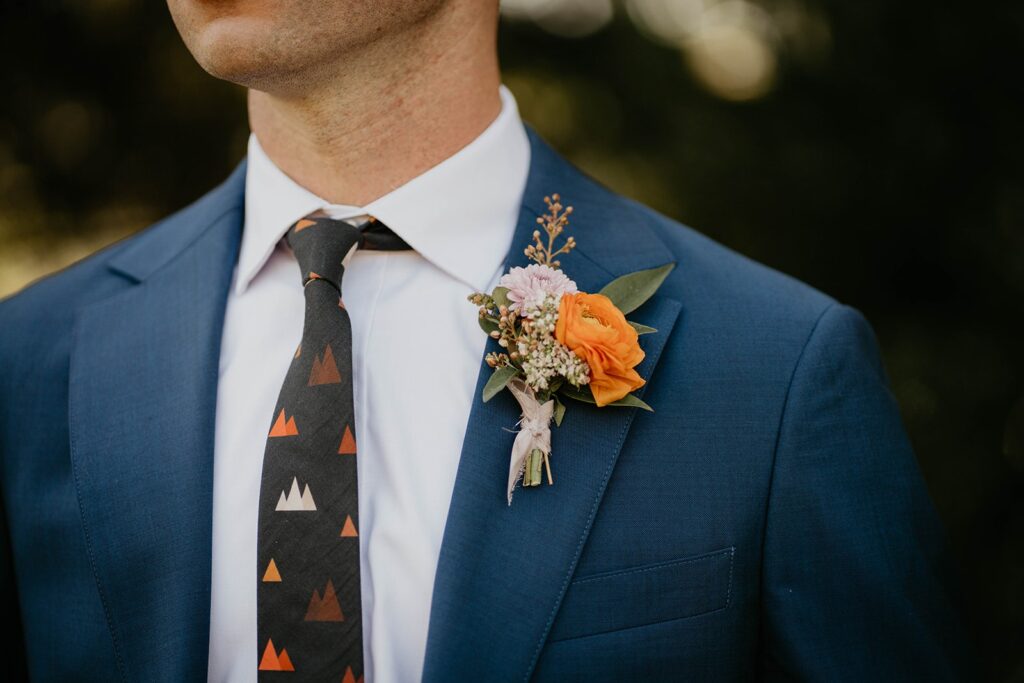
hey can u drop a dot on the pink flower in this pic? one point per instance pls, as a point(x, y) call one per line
point(529, 286)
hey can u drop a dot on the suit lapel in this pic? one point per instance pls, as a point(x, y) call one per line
point(143, 382)
point(503, 569)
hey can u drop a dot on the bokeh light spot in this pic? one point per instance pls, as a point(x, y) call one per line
point(568, 18)
point(732, 61)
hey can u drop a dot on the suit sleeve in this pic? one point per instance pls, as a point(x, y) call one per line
point(854, 576)
point(15, 664)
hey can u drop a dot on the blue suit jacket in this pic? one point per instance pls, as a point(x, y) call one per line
point(767, 521)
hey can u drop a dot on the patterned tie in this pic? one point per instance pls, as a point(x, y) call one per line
point(309, 617)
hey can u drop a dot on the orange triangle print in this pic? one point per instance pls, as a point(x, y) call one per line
point(284, 427)
point(285, 661)
point(314, 276)
point(270, 661)
point(346, 531)
point(326, 608)
point(298, 350)
point(349, 676)
point(324, 371)
point(348, 443)
point(303, 224)
point(272, 575)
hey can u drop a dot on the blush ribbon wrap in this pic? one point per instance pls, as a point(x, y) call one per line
point(534, 429)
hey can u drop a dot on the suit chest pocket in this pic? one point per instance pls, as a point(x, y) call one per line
point(646, 594)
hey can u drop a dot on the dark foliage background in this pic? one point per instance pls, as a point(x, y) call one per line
point(874, 150)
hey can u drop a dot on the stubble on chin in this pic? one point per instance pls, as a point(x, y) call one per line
point(288, 50)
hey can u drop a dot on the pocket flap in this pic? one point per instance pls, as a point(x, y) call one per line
point(645, 594)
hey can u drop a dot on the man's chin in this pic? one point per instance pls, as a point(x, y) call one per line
point(240, 50)
point(241, 69)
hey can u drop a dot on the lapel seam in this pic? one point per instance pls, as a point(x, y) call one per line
point(73, 453)
point(655, 352)
point(140, 277)
point(531, 207)
point(597, 265)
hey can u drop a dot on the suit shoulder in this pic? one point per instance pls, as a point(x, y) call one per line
point(55, 296)
point(714, 279)
point(59, 288)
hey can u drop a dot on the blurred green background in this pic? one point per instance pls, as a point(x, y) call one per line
point(871, 148)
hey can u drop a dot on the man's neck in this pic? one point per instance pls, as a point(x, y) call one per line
point(387, 114)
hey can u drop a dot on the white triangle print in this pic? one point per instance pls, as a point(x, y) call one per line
point(307, 500)
point(294, 500)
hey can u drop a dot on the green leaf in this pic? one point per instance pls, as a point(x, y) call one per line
point(500, 296)
point(488, 325)
point(630, 291)
point(585, 395)
point(498, 380)
point(641, 329)
point(559, 410)
point(577, 393)
point(631, 401)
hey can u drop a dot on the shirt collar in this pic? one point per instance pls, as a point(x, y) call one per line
point(459, 215)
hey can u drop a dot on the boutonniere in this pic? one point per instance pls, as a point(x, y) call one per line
point(560, 343)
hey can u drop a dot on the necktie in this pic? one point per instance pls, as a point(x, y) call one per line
point(309, 618)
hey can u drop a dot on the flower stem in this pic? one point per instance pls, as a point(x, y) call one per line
point(536, 461)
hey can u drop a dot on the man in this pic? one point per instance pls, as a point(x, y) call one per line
point(185, 415)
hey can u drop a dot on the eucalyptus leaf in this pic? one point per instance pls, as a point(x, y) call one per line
point(630, 291)
point(585, 395)
point(500, 296)
point(559, 410)
point(577, 393)
point(498, 380)
point(631, 401)
point(487, 324)
point(642, 329)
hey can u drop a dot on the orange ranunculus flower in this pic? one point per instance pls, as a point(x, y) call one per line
point(596, 331)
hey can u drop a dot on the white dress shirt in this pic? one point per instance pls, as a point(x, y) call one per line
point(416, 354)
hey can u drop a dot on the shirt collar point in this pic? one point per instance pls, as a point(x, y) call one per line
point(241, 283)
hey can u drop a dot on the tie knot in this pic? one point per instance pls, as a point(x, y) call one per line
point(321, 243)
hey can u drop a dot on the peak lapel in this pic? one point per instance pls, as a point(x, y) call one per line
point(143, 381)
point(503, 569)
